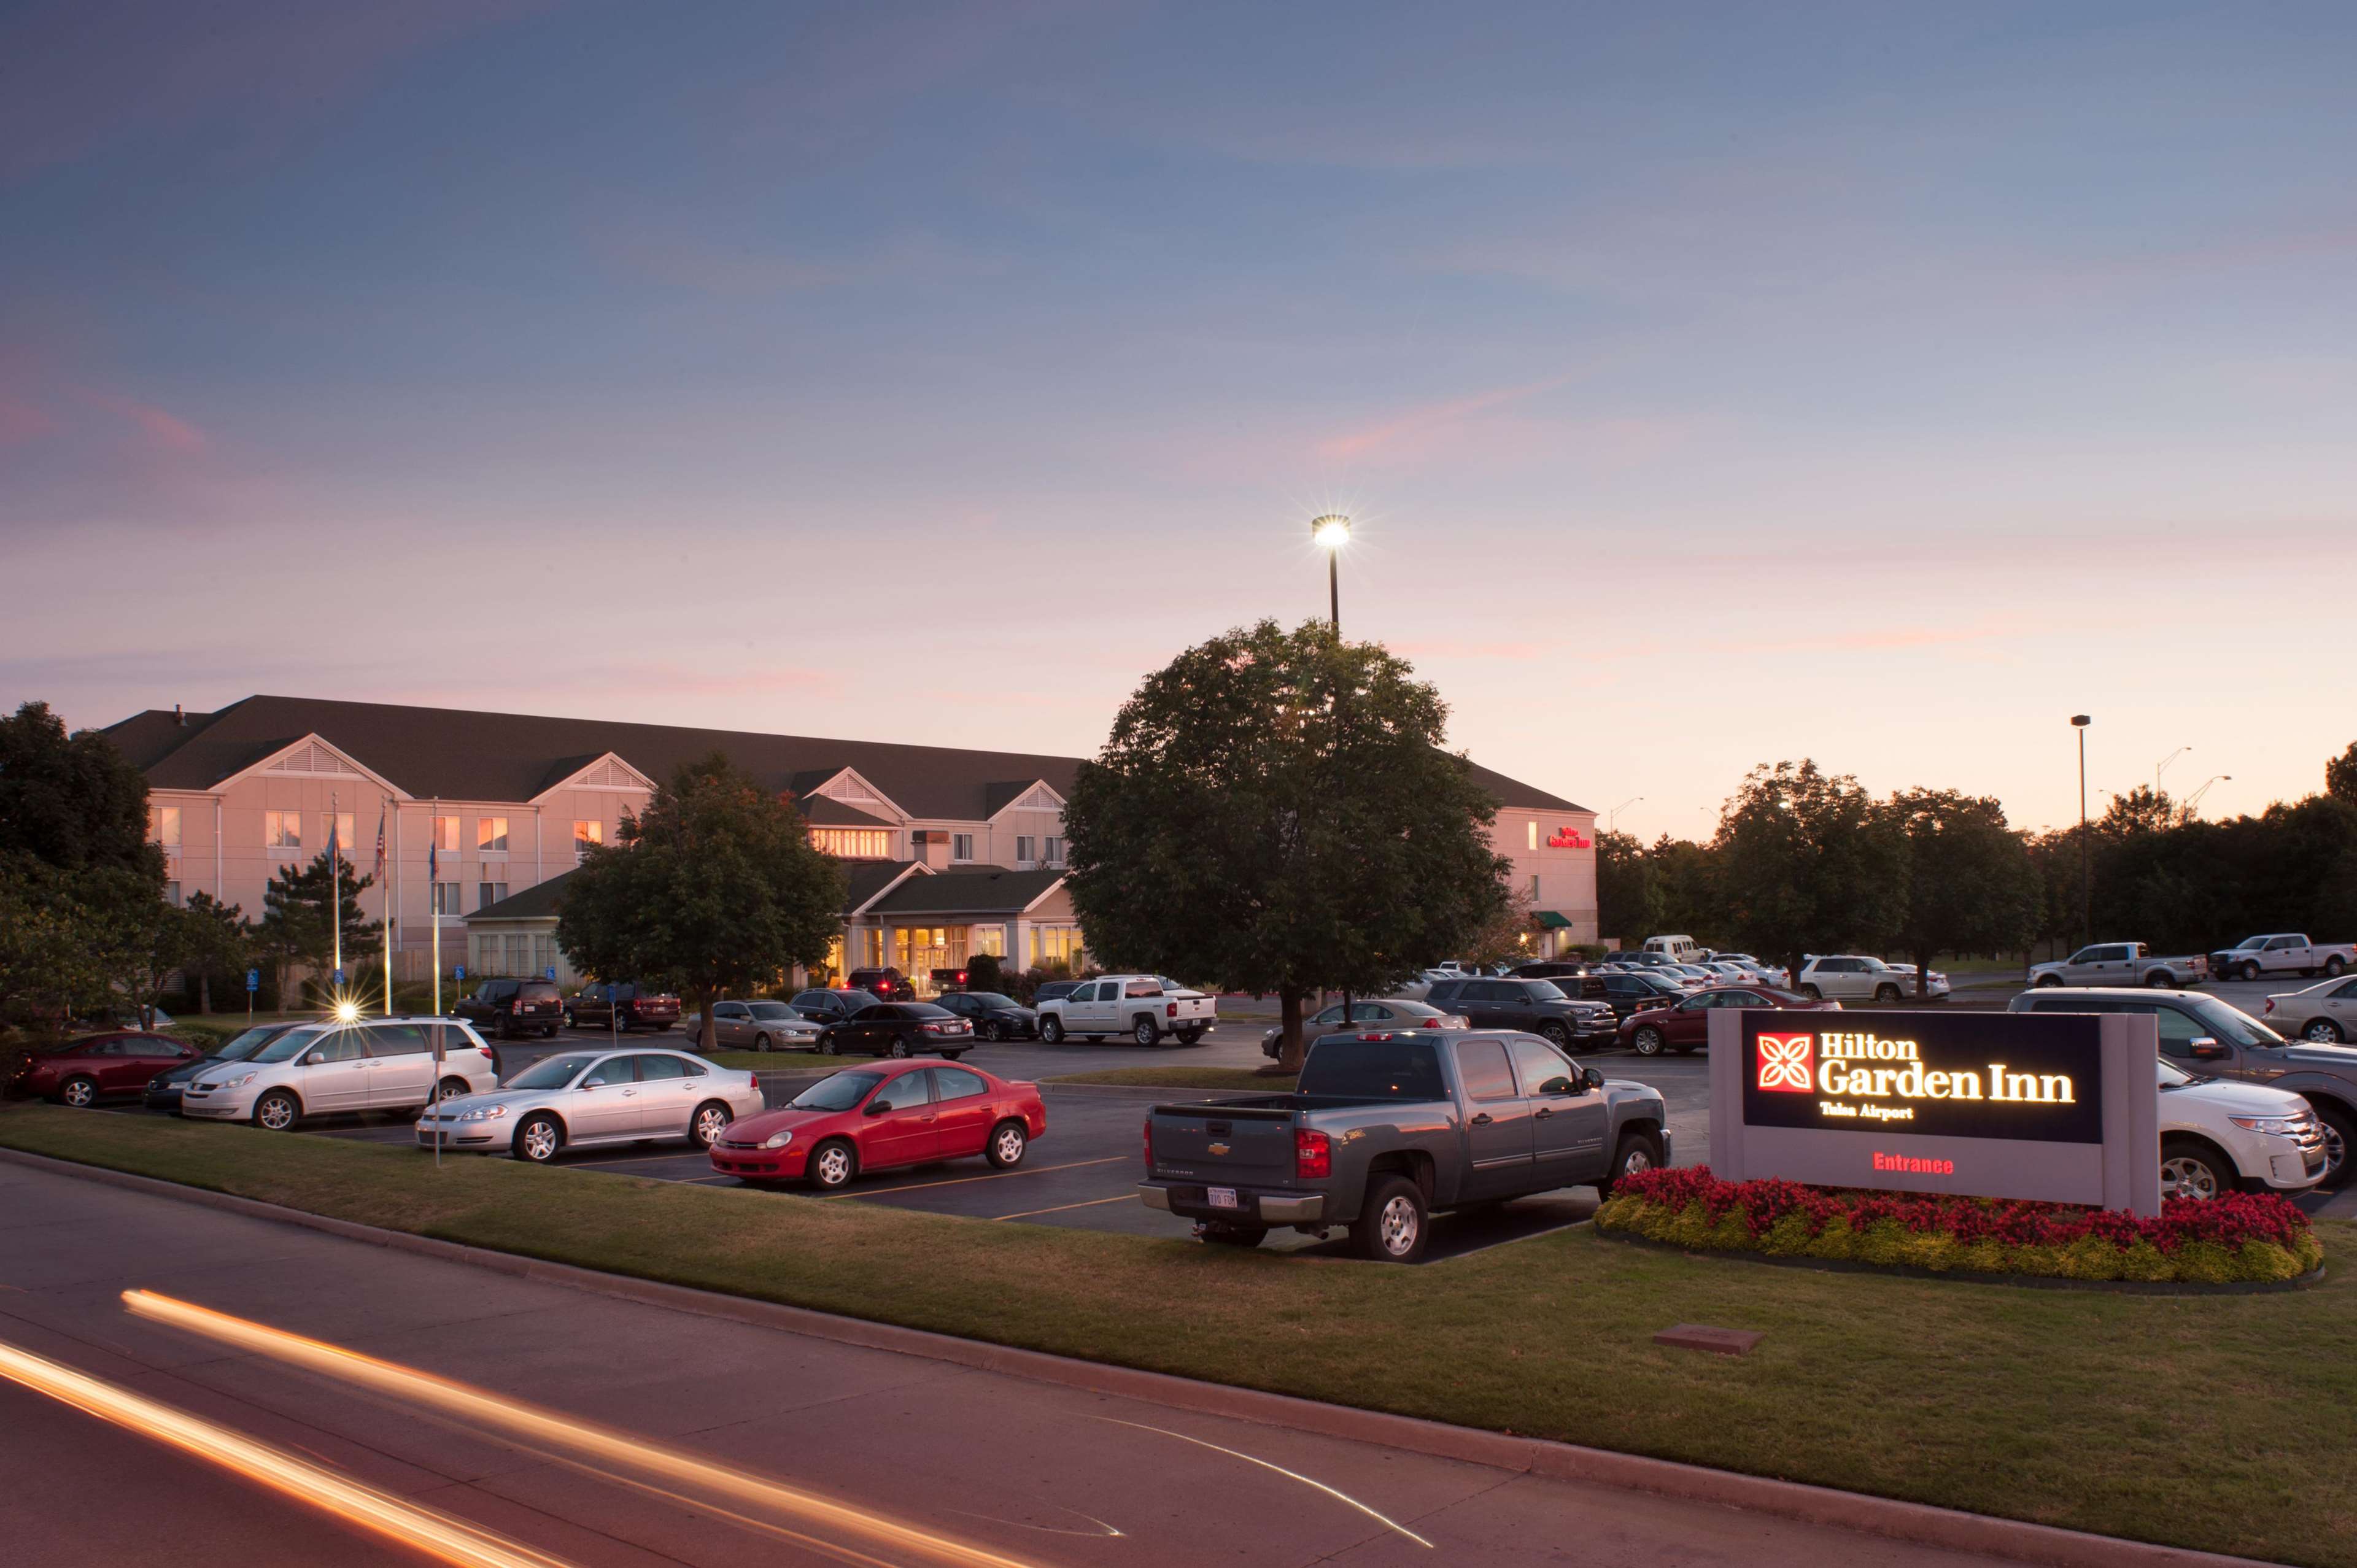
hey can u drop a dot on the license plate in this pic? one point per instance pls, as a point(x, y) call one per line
point(1223, 1197)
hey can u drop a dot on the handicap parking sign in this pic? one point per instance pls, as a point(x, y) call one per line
point(461, 971)
point(254, 980)
point(339, 977)
point(551, 972)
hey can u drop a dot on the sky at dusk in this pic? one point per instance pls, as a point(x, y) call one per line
point(1711, 384)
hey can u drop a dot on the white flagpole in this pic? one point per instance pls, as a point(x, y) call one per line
point(336, 881)
point(434, 907)
point(391, 909)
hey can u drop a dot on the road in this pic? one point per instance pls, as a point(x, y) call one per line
point(894, 1459)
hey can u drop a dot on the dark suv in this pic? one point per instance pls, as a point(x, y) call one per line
point(622, 1005)
point(825, 1006)
point(886, 983)
point(510, 1007)
point(1533, 1006)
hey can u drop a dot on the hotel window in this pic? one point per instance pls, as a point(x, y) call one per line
point(1053, 850)
point(991, 939)
point(486, 960)
point(491, 835)
point(961, 847)
point(445, 834)
point(1534, 886)
point(282, 830)
point(519, 957)
point(1023, 851)
point(588, 834)
point(1056, 944)
point(543, 955)
point(165, 822)
point(854, 843)
point(172, 894)
point(489, 893)
point(338, 823)
point(1535, 834)
point(445, 899)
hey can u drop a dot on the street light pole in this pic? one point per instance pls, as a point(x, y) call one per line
point(2086, 861)
point(1612, 817)
point(2162, 765)
point(1329, 533)
point(2194, 802)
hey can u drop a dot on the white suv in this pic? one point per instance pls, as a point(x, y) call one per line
point(322, 1069)
point(1869, 978)
point(2270, 1139)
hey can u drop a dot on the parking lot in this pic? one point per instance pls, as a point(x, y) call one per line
point(1085, 1172)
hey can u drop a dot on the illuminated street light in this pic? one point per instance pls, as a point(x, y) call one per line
point(1329, 533)
point(348, 1011)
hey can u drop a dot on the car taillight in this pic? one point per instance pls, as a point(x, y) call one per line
point(1149, 1145)
point(1313, 1154)
point(2268, 1008)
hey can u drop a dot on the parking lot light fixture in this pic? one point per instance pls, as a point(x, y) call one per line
point(1612, 817)
point(2086, 861)
point(1329, 533)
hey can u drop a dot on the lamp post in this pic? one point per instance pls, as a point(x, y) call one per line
point(2162, 765)
point(2086, 861)
point(1329, 533)
point(2193, 804)
point(1612, 817)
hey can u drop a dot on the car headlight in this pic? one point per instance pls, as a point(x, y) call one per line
point(483, 1113)
point(777, 1140)
point(240, 1081)
point(2282, 1126)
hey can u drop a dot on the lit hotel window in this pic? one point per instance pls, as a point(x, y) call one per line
point(588, 832)
point(282, 830)
point(491, 835)
point(854, 843)
point(166, 821)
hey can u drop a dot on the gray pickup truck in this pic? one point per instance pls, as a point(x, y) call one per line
point(1387, 1128)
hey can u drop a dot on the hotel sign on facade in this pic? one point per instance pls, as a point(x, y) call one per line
point(2056, 1106)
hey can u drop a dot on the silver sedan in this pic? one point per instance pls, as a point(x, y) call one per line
point(583, 1099)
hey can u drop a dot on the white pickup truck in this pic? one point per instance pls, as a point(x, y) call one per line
point(1145, 1008)
point(2121, 963)
point(2278, 951)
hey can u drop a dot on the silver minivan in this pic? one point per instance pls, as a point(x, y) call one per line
point(325, 1069)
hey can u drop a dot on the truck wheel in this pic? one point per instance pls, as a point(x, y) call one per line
point(2250, 969)
point(2049, 981)
point(1146, 1032)
point(1051, 1029)
point(1393, 1227)
point(1638, 1152)
point(1556, 1034)
point(1647, 1041)
point(1191, 1036)
point(2191, 1168)
point(2159, 980)
point(2339, 1134)
point(1220, 1235)
point(2334, 967)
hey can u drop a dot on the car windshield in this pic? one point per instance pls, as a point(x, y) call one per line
point(772, 1010)
point(2249, 942)
point(990, 999)
point(556, 1072)
point(2231, 1024)
point(288, 1046)
point(245, 1044)
point(2173, 1076)
point(1373, 1069)
point(1544, 991)
point(840, 1092)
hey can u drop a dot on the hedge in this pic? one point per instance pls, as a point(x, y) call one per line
point(2239, 1238)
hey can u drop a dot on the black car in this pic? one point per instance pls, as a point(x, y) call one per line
point(506, 1008)
point(886, 983)
point(1051, 989)
point(1632, 994)
point(899, 1029)
point(165, 1089)
point(822, 1007)
point(994, 1017)
point(1533, 1006)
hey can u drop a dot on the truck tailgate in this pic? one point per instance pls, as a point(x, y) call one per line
point(1223, 1146)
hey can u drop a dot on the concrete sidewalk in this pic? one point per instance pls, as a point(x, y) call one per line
point(1039, 1473)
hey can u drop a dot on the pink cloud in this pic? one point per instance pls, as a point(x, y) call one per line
point(1419, 429)
point(21, 421)
point(163, 431)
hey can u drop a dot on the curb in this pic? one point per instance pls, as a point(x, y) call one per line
point(1921, 1523)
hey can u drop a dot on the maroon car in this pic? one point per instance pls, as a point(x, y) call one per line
point(81, 1072)
point(1683, 1026)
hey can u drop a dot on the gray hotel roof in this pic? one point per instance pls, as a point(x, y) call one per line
point(456, 754)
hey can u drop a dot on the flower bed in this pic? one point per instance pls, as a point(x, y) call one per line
point(2240, 1238)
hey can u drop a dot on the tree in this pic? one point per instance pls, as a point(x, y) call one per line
point(2341, 776)
point(2142, 810)
point(1628, 906)
point(1684, 879)
point(716, 888)
point(1808, 864)
point(71, 802)
point(215, 939)
point(1971, 887)
point(1505, 936)
point(298, 928)
point(50, 969)
point(1273, 809)
point(984, 972)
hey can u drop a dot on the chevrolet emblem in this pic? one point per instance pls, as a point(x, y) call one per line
point(1219, 1148)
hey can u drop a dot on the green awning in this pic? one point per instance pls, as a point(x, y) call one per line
point(1549, 920)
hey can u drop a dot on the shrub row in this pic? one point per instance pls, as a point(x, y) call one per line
point(2242, 1237)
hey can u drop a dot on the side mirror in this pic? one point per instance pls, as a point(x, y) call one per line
point(879, 1107)
point(1591, 1078)
point(2206, 1049)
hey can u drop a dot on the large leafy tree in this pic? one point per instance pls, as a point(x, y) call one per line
point(71, 802)
point(1971, 886)
point(716, 888)
point(1628, 904)
point(1810, 863)
point(2341, 775)
point(215, 939)
point(1273, 809)
point(298, 927)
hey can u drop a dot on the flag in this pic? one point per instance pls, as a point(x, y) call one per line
point(433, 888)
point(380, 844)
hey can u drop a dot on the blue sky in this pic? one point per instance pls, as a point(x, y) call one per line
point(1714, 384)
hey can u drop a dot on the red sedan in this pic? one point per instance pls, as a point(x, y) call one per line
point(1684, 1025)
point(82, 1071)
point(874, 1118)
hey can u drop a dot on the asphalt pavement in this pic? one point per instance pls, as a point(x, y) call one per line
point(714, 1441)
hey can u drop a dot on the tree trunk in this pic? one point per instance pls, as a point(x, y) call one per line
point(205, 994)
point(706, 1031)
point(1922, 975)
point(1290, 1049)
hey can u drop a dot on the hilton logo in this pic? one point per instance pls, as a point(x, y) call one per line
point(1569, 838)
point(1786, 1062)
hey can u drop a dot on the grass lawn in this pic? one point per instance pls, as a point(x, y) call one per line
point(787, 1062)
point(1241, 1079)
point(2224, 1423)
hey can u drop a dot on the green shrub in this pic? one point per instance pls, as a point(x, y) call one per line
point(2091, 1258)
point(1834, 1242)
point(1788, 1238)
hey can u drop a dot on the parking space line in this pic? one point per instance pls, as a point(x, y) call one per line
point(1091, 1203)
point(995, 1175)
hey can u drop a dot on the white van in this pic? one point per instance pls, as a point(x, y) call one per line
point(1677, 950)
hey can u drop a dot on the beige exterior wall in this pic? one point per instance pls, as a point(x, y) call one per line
point(1563, 880)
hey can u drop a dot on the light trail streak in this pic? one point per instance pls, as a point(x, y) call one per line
point(544, 1429)
point(1386, 1522)
point(437, 1535)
